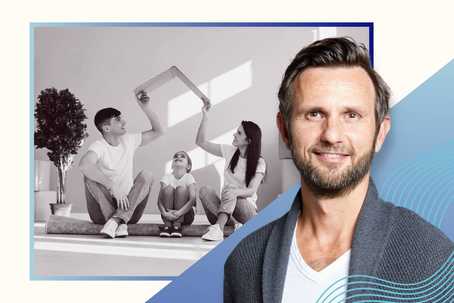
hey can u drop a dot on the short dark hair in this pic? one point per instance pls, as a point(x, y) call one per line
point(104, 115)
point(332, 52)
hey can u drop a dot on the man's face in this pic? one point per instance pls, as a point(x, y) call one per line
point(333, 129)
point(116, 126)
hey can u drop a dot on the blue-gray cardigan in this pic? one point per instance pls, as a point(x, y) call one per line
point(391, 243)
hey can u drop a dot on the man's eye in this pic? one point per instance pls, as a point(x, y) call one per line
point(353, 115)
point(314, 115)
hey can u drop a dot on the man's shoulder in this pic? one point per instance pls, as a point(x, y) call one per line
point(251, 249)
point(414, 248)
point(131, 140)
point(407, 223)
point(97, 145)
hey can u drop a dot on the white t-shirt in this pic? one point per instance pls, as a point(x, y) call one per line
point(304, 284)
point(116, 162)
point(238, 179)
point(185, 180)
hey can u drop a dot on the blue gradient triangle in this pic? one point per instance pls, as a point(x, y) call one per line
point(415, 169)
point(416, 166)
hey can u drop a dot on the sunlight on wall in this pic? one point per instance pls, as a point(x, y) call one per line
point(218, 89)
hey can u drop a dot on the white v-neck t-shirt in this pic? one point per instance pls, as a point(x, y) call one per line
point(304, 284)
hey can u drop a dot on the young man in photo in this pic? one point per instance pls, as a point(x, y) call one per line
point(114, 197)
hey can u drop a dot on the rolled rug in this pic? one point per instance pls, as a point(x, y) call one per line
point(66, 225)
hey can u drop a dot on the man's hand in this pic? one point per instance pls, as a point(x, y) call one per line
point(205, 109)
point(120, 197)
point(143, 97)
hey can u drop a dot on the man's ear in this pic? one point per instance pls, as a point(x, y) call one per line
point(385, 127)
point(281, 125)
point(105, 128)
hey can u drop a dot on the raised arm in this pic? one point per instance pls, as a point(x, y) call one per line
point(156, 129)
point(201, 140)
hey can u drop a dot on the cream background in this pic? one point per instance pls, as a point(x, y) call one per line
point(412, 41)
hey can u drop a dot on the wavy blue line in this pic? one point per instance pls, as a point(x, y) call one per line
point(401, 197)
point(399, 295)
point(407, 293)
point(389, 186)
point(415, 185)
point(435, 186)
point(382, 301)
point(416, 175)
point(445, 202)
point(440, 272)
point(396, 187)
point(430, 186)
point(399, 191)
point(395, 191)
point(415, 169)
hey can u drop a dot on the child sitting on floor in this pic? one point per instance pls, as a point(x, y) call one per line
point(176, 200)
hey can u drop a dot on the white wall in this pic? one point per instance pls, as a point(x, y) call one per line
point(242, 66)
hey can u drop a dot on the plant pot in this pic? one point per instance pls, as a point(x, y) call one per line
point(42, 199)
point(61, 209)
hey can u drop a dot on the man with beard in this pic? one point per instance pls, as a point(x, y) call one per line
point(333, 115)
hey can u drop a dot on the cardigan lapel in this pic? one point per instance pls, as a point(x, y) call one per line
point(369, 238)
point(277, 254)
point(367, 246)
point(369, 235)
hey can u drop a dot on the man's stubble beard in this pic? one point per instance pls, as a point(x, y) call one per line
point(325, 186)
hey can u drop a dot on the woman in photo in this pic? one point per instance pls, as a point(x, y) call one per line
point(243, 173)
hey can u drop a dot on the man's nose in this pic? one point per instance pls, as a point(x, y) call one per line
point(332, 131)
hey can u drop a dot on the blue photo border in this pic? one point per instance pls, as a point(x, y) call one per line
point(34, 25)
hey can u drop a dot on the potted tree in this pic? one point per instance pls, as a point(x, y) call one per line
point(61, 129)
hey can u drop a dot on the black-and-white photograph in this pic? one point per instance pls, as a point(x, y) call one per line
point(154, 143)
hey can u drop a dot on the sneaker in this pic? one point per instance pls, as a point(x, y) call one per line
point(164, 231)
point(122, 231)
point(214, 233)
point(176, 232)
point(237, 226)
point(109, 228)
